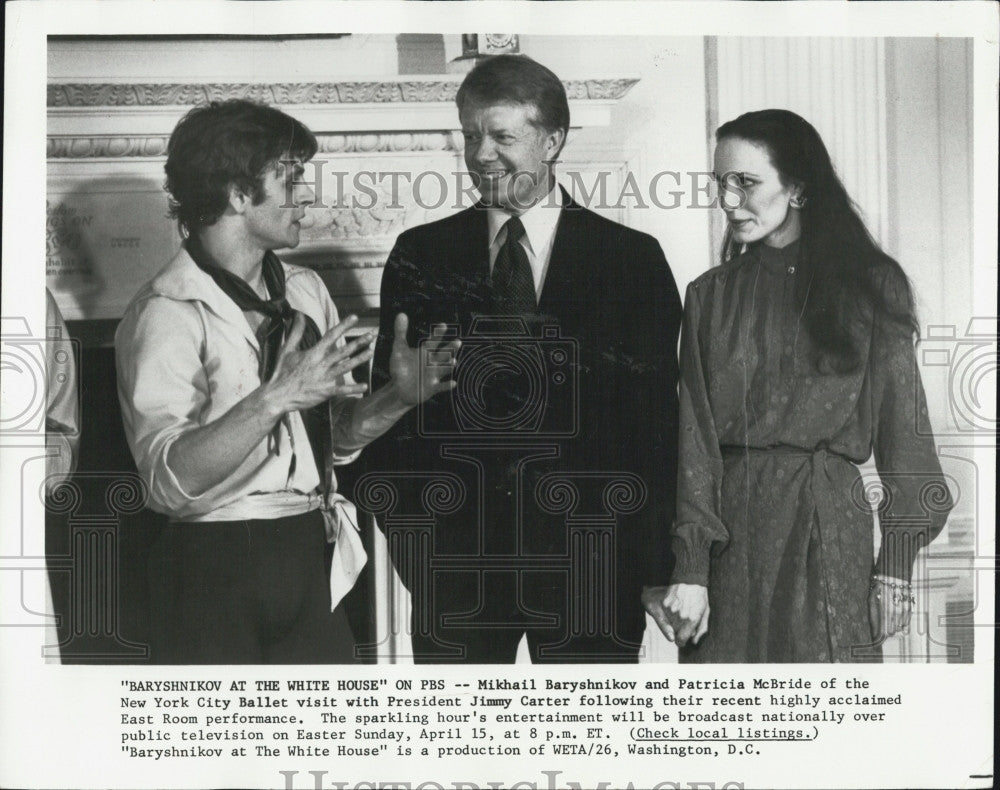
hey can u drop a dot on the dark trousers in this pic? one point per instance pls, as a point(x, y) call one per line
point(480, 618)
point(245, 592)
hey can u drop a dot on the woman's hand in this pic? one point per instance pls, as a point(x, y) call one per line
point(680, 610)
point(890, 605)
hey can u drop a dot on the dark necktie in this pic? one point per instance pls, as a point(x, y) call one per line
point(278, 316)
point(513, 285)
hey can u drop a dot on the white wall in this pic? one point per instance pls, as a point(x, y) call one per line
point(929, 125)
point(929, 177)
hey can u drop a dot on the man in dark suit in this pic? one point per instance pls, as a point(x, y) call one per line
point(536, 497)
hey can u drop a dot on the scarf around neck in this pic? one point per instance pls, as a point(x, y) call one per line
point(278, 316)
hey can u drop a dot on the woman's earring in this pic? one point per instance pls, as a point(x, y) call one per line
point(798, 202)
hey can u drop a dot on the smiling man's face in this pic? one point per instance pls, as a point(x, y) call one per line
point(506, 152)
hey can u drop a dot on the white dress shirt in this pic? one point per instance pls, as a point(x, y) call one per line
point(540, 223)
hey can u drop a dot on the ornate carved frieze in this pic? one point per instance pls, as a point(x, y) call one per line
point(361, 92)
point(125, 147)
point(189, 94)
point(606, 89)
point(97, 147)
point(382, 143)
point(356, 223)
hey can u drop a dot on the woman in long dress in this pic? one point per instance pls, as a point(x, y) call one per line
point(797, 363)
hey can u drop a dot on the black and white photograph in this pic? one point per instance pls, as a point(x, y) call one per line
point(373, 357)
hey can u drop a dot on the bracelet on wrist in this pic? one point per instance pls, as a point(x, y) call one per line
point(902, 591)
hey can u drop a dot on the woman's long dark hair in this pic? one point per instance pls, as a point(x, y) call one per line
point(847, 279)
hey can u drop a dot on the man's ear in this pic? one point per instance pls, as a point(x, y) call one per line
point(554, 142)
point(238, 199)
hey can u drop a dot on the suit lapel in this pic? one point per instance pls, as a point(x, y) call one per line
point(475, 236)
point(571, 271)
point(470, 262)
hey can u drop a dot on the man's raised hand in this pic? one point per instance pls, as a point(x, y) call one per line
point(421, 373)
point(303, 379)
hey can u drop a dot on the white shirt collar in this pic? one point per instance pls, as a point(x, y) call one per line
point(539, 221)
point(182, 280)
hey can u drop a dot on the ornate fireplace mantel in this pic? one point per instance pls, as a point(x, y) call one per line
point(107, 230)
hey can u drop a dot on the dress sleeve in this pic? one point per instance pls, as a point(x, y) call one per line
point(699, 476)
point(916, 497)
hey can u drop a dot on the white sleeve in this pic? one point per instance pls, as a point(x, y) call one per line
point(340, 423)
point(163, 388)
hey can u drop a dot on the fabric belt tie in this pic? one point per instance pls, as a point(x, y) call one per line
point(340, 517)
point(824, 494)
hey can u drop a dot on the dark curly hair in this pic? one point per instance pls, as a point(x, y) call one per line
point(227, 144)
point(848, 280)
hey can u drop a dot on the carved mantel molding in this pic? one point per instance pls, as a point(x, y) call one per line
point(85, 109)
point(441, 89)
point(155, 145)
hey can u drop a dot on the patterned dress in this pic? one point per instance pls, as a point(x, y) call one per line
point(771, 512)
